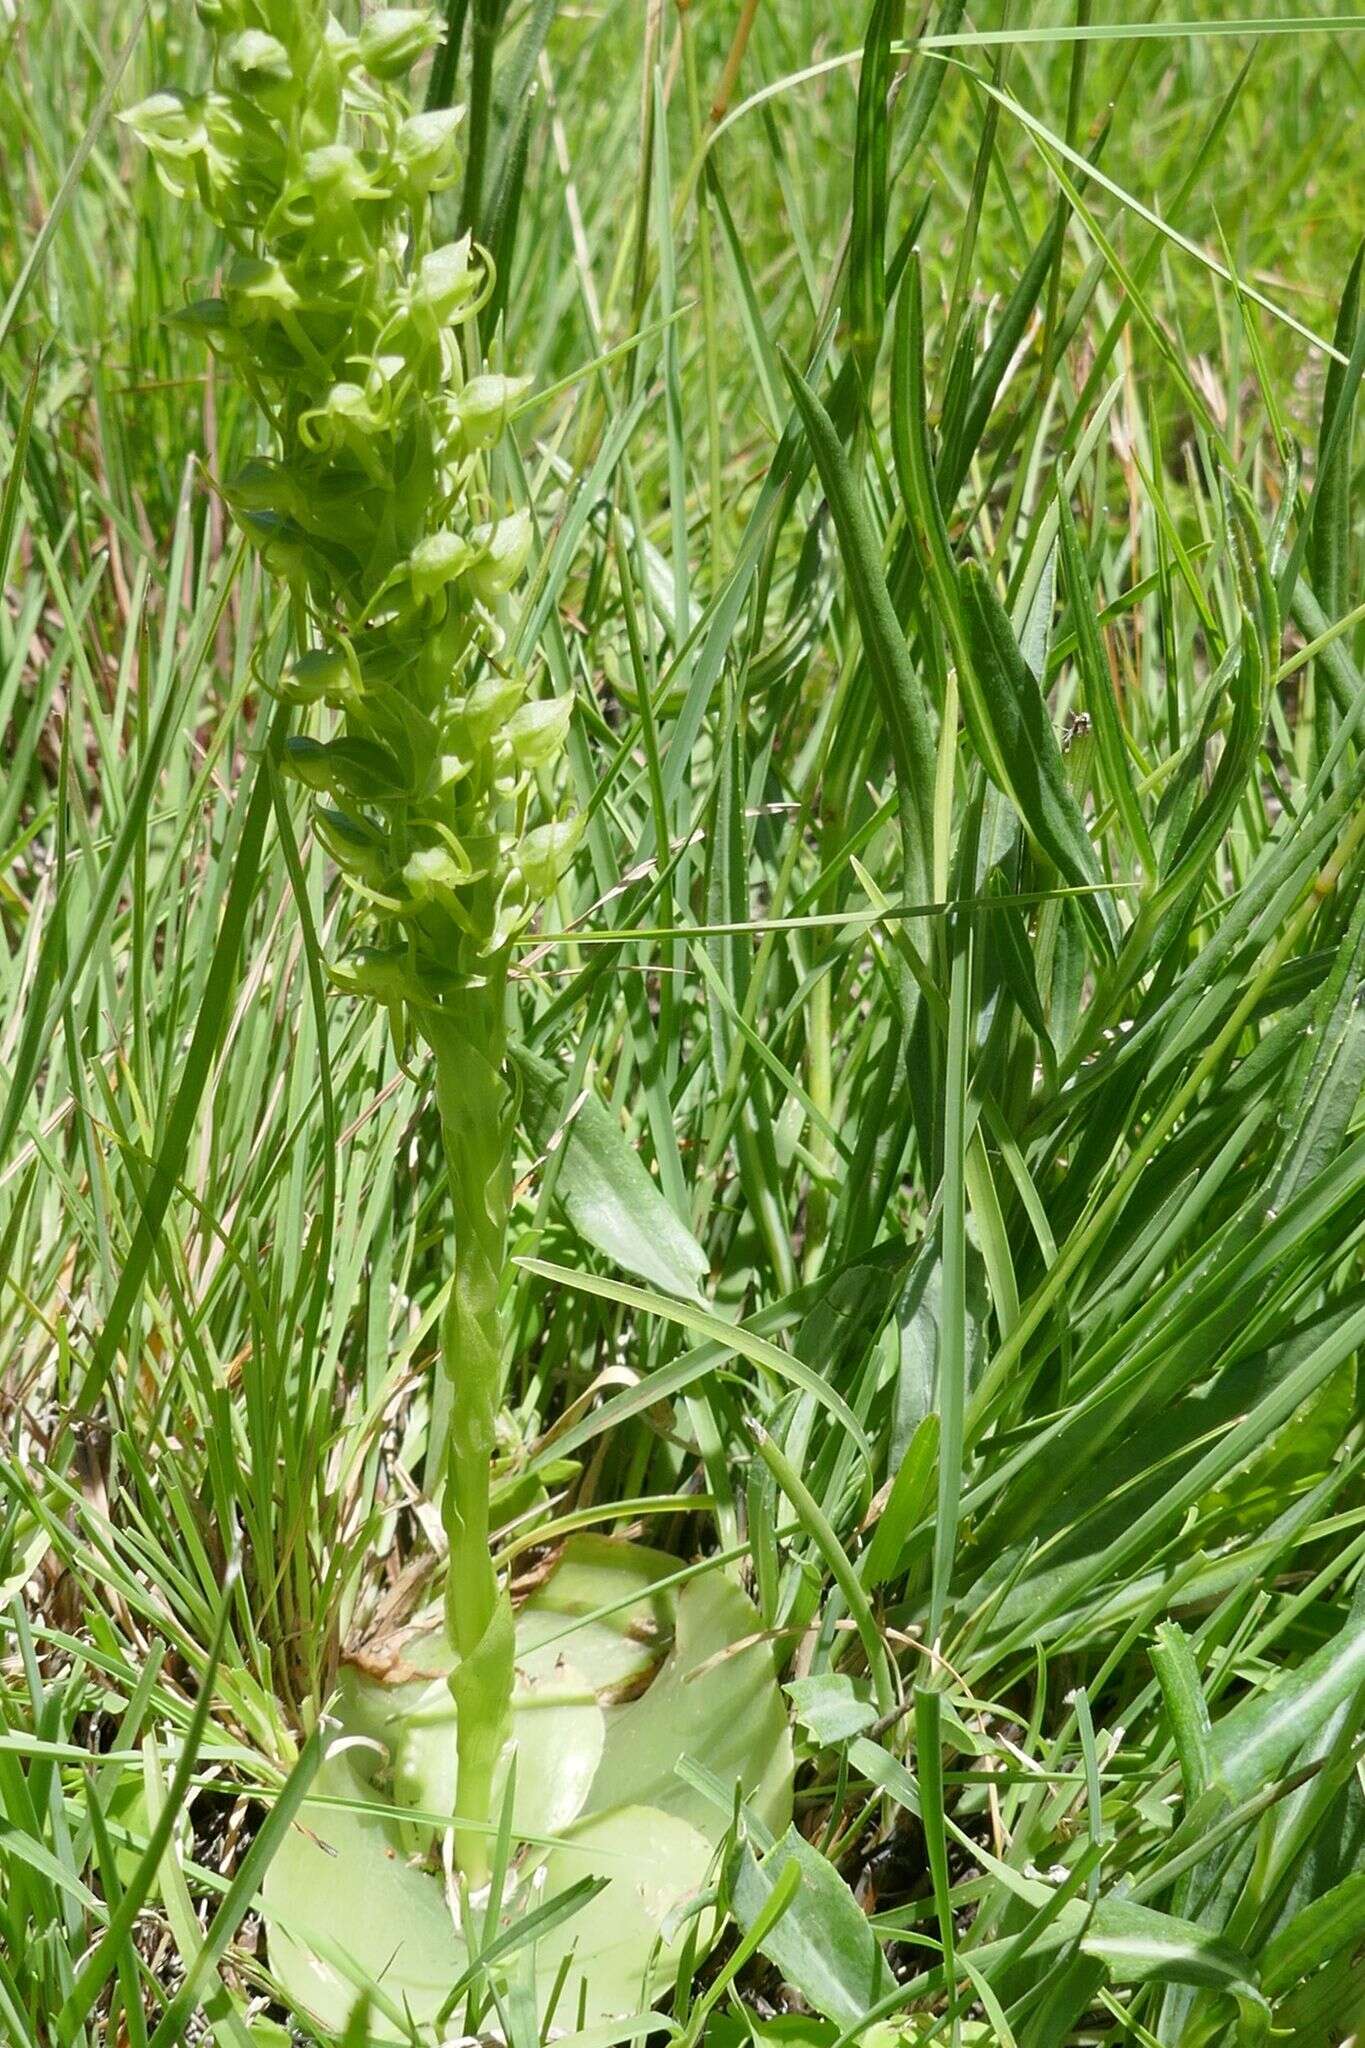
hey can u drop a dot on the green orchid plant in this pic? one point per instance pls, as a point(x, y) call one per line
point(355, 327)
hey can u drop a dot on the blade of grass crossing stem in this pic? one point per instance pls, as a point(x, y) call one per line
point(767, 368)
point(222, 2014)
point(125, 1996)
point(1330, 511)
point(672, 381)
point(516, 88)
point(486, 17)
point(1320, 539)
point(957, 347)
point(1057, 152)
point(446, 63)
point(956, 456)
point(778, 1903)
point(1094, 1819)
point(504, 212)
point(915, 475)
point(926, 83)
point(714, 636)
point(1002, 701)
point(321, 1277)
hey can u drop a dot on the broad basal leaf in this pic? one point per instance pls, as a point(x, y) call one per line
point(606, 1193)
point(823, 1944)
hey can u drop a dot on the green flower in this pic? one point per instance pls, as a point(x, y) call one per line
point(355, 324)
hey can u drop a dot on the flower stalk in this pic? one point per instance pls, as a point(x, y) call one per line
point(466, 1040)
point(354, 325)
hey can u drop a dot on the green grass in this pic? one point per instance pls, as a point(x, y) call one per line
point(999, 1045)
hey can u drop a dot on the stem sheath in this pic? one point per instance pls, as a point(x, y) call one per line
point(466, 1036)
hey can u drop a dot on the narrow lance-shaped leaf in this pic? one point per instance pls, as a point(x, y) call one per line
point(1006, 335)
point(867, 243)
point(1203, 833)
point(1323, 535)
point(1008, 695)
point(951, 1390)
point(1002, 702)
point(1330, 512)
point(1137, 1944)
point(1178, 1677)
point(1099, 694)
point(929, 1771)
point(915, 474)
point(911, 1489)
point(1321, 1929)
point(1253, 1743)
point(1332, 1067)
point(898, 688)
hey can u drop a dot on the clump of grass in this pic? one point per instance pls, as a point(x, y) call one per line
point(965, 929)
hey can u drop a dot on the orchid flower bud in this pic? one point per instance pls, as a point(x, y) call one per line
point(504, 548)
point(322, 675)
point(339, 178)
point(358, 850)
point(245, 156)
point(490, 704)
point(544, 853)
point(393, 39)
point(171, 126)
point(384, 972)
point(258, 290)
point(424, 154)
point(260, 68)
point(210, 320)
point(436, 874)
point(536, 730)
point(280, 542)
point(447, 282)
point(348, 413)
point(262, 486)
point(342, 46)
point(482, 408)
point(437, 561)
point(512, 911)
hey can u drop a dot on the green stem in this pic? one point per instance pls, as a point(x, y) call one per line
point(483, 43)
point(467, 1037)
